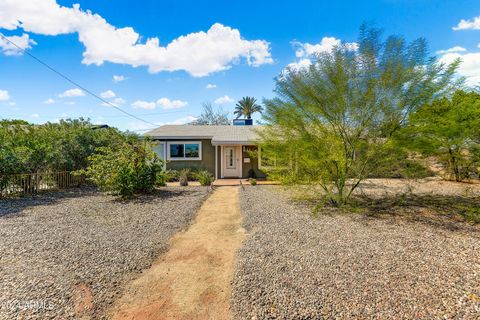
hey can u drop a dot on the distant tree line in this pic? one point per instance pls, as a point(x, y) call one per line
point(62, 146)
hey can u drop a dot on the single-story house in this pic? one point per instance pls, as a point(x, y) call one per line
point(228, 151)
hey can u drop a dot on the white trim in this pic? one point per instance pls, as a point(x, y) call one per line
point(221, 162)
point(240, 174)
point(184, 143)
point(216, 162)
point(180, 137)
point(233, 143)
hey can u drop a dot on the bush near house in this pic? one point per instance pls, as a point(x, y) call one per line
point(130, 168)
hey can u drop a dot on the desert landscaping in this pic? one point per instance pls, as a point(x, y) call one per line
point(85, 254)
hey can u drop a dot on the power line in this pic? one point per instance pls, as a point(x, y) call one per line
point(75, 83)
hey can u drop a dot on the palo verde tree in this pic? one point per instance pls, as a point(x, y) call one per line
point(448, 129)
point(330, 122)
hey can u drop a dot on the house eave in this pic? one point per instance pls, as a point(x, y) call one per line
point(179, 137)
point(234, 143)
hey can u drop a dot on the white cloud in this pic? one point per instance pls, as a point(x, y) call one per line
point(23, 42)
point(468, 24)
point(199, 53)
point(70, 103)
point(117, 78)
point(183, 120)
point(166, 103)
point(469, 67)
point(211, 86)
point(12, 103)
point(453, 49)
point(72, 93)
point(325, 45)
point(35, 115)
point(306, 51)
point(117, 102)
point(142, 126)
point(299, 65)
point(223, 100)
point(49, 101)
point(139, 104)
point(107, 94)
point(4, 96)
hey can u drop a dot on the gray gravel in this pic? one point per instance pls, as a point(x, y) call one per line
point(350, 266)
point(56, 245)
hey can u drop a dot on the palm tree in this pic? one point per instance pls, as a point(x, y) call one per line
point(246, 107)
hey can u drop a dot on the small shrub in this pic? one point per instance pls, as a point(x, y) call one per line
point(183, 177)
point(193, 174)
point(161, 179)
point(253, 182)
point(252, 174)
point(171, 175)
point(204, 177)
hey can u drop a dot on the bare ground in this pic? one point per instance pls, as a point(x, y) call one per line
point(342, 265)
point(192, 279)
point(67, 255)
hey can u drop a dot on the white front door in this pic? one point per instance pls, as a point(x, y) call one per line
point(232, 162)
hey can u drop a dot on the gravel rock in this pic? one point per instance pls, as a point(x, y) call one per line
point(67, 254)
point(350, 266)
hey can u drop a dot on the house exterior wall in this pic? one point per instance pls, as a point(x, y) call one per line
point(207, 162)
point(208, 159)
point(246, 153)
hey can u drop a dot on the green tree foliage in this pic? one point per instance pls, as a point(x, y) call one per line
point(330, 123)
point(129, 168)
point(26, 148)
point(211, 116)
point(246, 107)
point(448, 129)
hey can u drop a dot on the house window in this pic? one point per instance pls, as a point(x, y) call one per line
point(160, 150)
point(188, 150)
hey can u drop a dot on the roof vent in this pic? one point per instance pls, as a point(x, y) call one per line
point(243, 122)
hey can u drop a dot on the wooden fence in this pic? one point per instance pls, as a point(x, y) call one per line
point(31, 183)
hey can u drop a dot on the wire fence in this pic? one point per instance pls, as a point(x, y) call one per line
point(31, 183)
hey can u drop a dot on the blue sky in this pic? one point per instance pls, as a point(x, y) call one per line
point(168, 52)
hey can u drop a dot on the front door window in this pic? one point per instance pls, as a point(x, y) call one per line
point(230, 155)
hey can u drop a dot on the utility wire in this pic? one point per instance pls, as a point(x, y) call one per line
point(75, 83)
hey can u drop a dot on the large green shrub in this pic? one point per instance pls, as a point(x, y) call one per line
point(62, 146)
point(130, 168)
point(447, 129)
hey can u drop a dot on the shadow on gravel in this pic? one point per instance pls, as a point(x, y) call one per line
point(453, 212)
point(12, 206)
point(162, 194)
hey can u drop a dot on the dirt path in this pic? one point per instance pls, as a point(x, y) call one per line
point(192, 279)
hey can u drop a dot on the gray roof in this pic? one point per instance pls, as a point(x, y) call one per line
point(218, 134)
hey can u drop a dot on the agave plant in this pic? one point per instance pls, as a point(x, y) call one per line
point(246, 107)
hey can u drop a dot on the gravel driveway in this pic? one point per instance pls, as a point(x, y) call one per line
point(350, 266)
point(63, 255)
